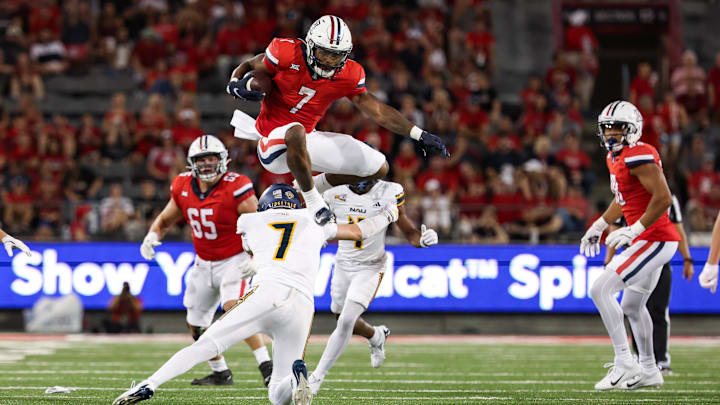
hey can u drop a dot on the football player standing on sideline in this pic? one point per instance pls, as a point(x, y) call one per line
point(359, 268)
point(308, 76)
point(211, 199)
point(9, 242)
point(709, 276)
point(643, 197)
point(285, 242)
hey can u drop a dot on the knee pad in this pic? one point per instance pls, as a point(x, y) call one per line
point(196, 331)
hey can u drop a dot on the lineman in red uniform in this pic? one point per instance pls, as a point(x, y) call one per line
point(307, 77)
point(643, 197)
point(211, 199)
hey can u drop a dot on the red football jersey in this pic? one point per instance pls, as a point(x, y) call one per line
point(632, 196)
point(296, 97)
point(212, 215)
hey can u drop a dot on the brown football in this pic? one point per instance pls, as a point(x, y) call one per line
point(261, 81)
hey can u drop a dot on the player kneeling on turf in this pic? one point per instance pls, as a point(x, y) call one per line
point(285, 242)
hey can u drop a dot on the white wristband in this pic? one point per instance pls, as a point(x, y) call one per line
point(331, 231)
point(637, 227)
point(415, 133)
point(600, 224)
point(312, 198)
point(371, 226)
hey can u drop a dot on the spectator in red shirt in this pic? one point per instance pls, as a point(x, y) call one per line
point(650, 134)
point(437, 170)
point(165, 161)
point(406, 165)
point(572, 157)
point(147, 51)
point(118, 115)
point(153, 120)
point(203, 57)
point(574, 209)
point(581, 47)
point(535, 119)
point(89, 139)
point(18, 208)
point(262, 27)
point(45, 14)
point(26, 79)
point(714, 85)
point(531, 92)
point(481, 45)
point(560, 73)
point(673, 120)
point(234, 43)
point(643, 84)
point(187, 127)
point(688, 84)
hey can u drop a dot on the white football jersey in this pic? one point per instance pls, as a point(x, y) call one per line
point(285, 245)
point(351, 208)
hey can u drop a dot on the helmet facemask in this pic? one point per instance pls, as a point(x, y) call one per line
point(207, 171)
point(608, 131)
point(326, 62)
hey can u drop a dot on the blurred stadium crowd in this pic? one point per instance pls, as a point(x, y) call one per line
point(515, 173)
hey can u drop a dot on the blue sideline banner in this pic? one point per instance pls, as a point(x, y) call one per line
point(444, 278)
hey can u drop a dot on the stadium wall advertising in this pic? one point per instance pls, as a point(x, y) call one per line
point(445, 278)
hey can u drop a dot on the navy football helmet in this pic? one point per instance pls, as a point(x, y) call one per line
point(279, 195)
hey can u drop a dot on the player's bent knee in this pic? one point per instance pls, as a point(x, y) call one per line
point(595, 292)
point(196, 331)
point(295, 137)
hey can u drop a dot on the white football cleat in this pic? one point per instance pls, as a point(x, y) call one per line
point(617, 374)
point(647, 378)
point(315, 383)
point(135, 394)
point(377, 352)
point(301, 394)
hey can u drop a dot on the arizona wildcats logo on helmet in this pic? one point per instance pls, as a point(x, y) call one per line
point(279, 195)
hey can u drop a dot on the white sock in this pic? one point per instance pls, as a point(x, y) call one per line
point(261, 355)
point(340, 337)
point(321, 183)
point(623, 354)
point(376, 337)
point(184, 360)
point(218, 365)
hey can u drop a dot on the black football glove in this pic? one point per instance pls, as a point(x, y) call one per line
point(432, 145)
point(238, 89)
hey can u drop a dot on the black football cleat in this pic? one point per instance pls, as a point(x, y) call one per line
point(216, 378)
point(266, 368)
point(135, 394)
point(302, 394)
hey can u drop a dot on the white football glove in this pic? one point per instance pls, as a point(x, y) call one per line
point(11, 243)
point(428, 237)
point(391, 212)
point(590, 242)
point(624, 236)
point(248, 269)
point(147, 249)
point(709, 277)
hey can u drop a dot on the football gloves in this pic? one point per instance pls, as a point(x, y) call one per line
point(238, 89)
point(147, 249)
point(624, 236)
point(590, 242)
point(709, 277)
point(428, 237)
point(432, 145)
point(9, 242)
point(248, 269)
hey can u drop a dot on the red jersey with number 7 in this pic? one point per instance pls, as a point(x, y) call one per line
point(295, 96)
point(632, 196)
point(212, 215)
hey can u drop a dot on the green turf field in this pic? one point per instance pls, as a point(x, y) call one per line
point(424, 372)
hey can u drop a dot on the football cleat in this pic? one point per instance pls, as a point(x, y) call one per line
point(377, 352)
point(617, 374)
point(301, 395)
point(651, 378)
point(135, 394)
point(266, 368)
point(216, 378)
point(315, 383)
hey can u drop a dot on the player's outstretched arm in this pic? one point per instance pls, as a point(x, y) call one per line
point(365, 228)
point(420, 238)
point(709, 276)
point(170, 215)
point(9, 242)
point(393, 120)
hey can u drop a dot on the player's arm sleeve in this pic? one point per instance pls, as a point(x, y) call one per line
point(674, 211)
point(278, 54)
point(358, 82)
point(175, 190)
point(641, 154)
point(242, 189)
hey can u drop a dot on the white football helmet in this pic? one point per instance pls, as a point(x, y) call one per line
point(622, 115)
point(203, 146)
point(328, 34)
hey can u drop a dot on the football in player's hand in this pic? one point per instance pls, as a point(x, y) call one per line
point(260, 81)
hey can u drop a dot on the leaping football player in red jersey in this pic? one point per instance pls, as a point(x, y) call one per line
point(307, 77)
point(643, 197)
point(211, 199)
